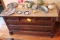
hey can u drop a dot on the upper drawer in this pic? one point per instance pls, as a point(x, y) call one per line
point(11, 18)
point(35, 19)
point(43, 19)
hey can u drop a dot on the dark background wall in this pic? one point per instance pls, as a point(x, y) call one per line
point(1, 7)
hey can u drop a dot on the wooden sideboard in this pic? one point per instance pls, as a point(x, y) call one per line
point(42, 24)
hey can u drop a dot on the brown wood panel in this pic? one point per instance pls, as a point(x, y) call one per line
point(30, 27)
point(43, 18)
point(31, 33)
point(29, 23)
point(43, 26)
point(11, 18)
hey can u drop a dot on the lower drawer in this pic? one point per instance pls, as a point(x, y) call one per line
point(31, 33)
point(30, 27)
point(29, 23)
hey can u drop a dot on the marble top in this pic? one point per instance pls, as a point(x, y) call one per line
point(50, 13)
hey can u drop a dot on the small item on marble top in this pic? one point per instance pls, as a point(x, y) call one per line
point(19, 12)
point(35, 10)
point(27, 12)
point(34, 7)
point(8, 11)
point(20, 6)
point(12, 4)
point(43, 9)
point(9, 6)
point(28, 4)
point(39, 2)
point(51, 6)
point(31, 4)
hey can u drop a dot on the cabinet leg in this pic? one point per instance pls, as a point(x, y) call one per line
point(51, 35)
point(11, 33)
point(12, 38)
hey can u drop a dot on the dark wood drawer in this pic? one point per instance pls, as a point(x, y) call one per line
point(37, 23)
point(33, 21)
point(31, 33)
point(30, 27)
point(13, 22)
point(30, 23)
point(43, 18)
point(11, 18)
point(36, 19)
point(24, 20)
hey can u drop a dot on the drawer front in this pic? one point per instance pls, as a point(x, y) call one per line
point(13, 22)
point(30, 28)
point(43, 18)
point(41, 23)
point(11, 18)
point(37, 23)
point(37, 18)
point(31, 33)
point(34, 21)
